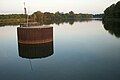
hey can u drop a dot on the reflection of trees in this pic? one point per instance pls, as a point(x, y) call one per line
point(71, 22)
point(113, 28)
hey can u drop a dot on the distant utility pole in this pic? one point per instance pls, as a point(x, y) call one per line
point(25, 10)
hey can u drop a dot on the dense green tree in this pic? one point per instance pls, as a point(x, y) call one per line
point(71, 15)
point(112, 12)
point(37, 16)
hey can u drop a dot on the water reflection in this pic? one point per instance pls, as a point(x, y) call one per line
point(32, 51)
point(35, 42)
point(70, 21)
point(113, 28)
point(49, 22)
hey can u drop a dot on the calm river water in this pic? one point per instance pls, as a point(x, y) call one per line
point(81, 51)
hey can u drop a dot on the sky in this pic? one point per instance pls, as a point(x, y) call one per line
point(78, 6)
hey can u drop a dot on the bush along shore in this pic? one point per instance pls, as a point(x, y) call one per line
point(12, 19)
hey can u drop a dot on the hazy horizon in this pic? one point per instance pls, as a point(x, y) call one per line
point(78, 6)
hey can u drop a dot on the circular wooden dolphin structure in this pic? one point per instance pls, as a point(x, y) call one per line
point(35, 35)
point(35, 42)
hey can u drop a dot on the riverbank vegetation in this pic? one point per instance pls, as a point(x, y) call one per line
point(112, 13)
point(43, 18)
point(47, 17)
point(12, 19)
point(111, 19)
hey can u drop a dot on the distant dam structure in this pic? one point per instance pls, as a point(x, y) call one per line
point(35, 41)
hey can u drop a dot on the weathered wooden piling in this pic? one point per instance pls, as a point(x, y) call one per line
point(35, 35)
point(35, 42)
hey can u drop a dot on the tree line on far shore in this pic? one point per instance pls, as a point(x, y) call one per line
point(45, 17)
point(12, 19)
point(58, 17)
